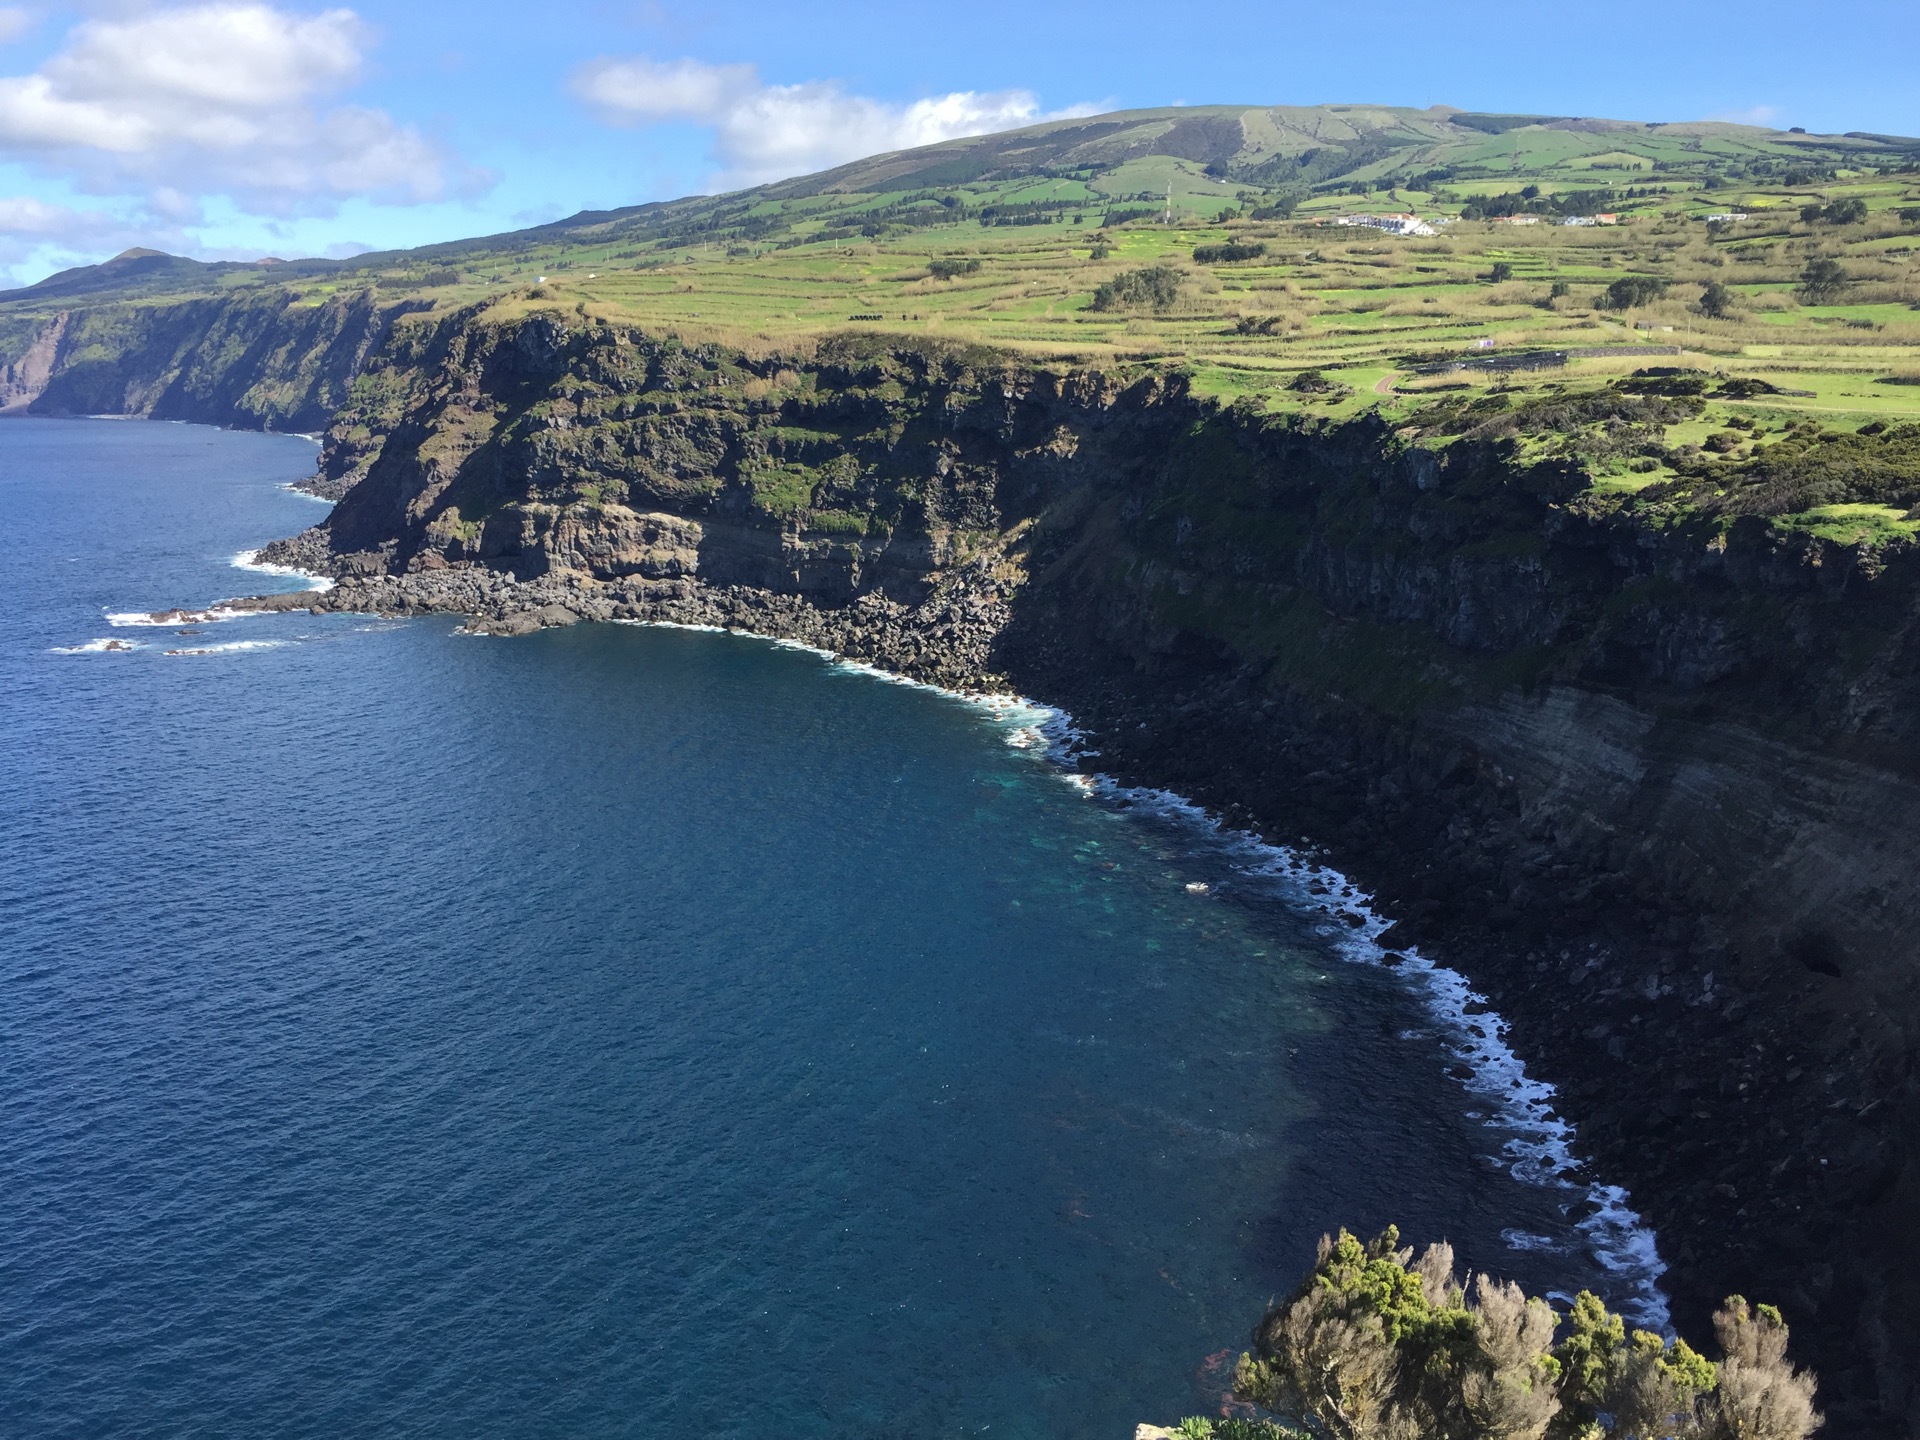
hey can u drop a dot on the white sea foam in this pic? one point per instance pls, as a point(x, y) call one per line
point(172, 619)
point(98, 647)
point(1539, 1146)
point(292, 489)
point(230, 648)
point(245, 561)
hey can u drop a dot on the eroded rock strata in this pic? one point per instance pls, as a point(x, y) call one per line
point(1655, 793)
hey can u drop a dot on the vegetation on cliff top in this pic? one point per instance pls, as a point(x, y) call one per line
point(1782, 270)
point(1010, 239)
point(1378, 1345)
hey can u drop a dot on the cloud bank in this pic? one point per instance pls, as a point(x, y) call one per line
point(769, 132)
point(219, 98)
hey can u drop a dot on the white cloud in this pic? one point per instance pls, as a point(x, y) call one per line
point(23, 216)
point(768, 132)
point(14, 22)
point(219, 98)
point(37, 236)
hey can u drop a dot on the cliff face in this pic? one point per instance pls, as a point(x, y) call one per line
point(262, 360)
point(1653, 792)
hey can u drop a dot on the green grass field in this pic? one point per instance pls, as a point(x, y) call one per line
point(1370, 308)
point(1040, 220)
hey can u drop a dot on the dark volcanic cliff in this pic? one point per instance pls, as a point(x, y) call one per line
point(258, 360)
point(1653, 791)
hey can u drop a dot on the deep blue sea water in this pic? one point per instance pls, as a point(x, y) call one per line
point(626, 1032)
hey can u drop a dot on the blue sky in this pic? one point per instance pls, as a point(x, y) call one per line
point(244, 129)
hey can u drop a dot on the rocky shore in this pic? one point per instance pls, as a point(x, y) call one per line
point(945, 639)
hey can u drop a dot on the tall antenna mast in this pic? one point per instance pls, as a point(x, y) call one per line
point(1169, 202)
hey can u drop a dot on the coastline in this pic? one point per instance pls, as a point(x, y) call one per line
point(1540, 1148)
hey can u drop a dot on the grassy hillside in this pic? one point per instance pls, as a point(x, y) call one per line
point(1207, 239)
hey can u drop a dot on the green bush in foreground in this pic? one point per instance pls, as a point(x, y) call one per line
point(1378, 1345)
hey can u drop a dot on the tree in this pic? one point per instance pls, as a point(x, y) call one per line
point(1850, 211)
point(1155, 288)
point(1716, 301)
point(1508, 1392)
point(1630, 291)
point(1822, 281)
point(946, 267)
point(1229, 251)
point(1760, 1396)
point(1501, 273)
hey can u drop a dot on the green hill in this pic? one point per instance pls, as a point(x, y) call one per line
point(1214, 158)
point(1238, 245)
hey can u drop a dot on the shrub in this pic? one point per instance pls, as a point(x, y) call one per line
point(1376, 1344)
point(1156, 287)
point(946, 267)
point(1815, 467)
point(1199, 1427)
point(1280, 209)
point(1231, 250)
point(1630, 291)
point(1501, 273)
point(1716, 301)
point(1314, 382)
point(1663, 380)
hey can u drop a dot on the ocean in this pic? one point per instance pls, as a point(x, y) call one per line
point(626, 1031)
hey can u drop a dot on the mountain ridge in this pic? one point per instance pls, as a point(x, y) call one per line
point(1259, 146)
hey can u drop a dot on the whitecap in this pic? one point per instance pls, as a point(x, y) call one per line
point(246, 560)
point(683, 625)
point(232, 647)
point(171, 619)
point(98, 647)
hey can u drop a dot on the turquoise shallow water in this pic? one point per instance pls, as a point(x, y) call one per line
point(625, 1032)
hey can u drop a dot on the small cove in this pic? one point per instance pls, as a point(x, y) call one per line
point(619, 1030)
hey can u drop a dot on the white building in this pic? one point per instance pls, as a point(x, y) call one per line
point(1392, 224)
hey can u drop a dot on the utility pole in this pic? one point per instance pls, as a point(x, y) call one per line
point(1169, 202)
